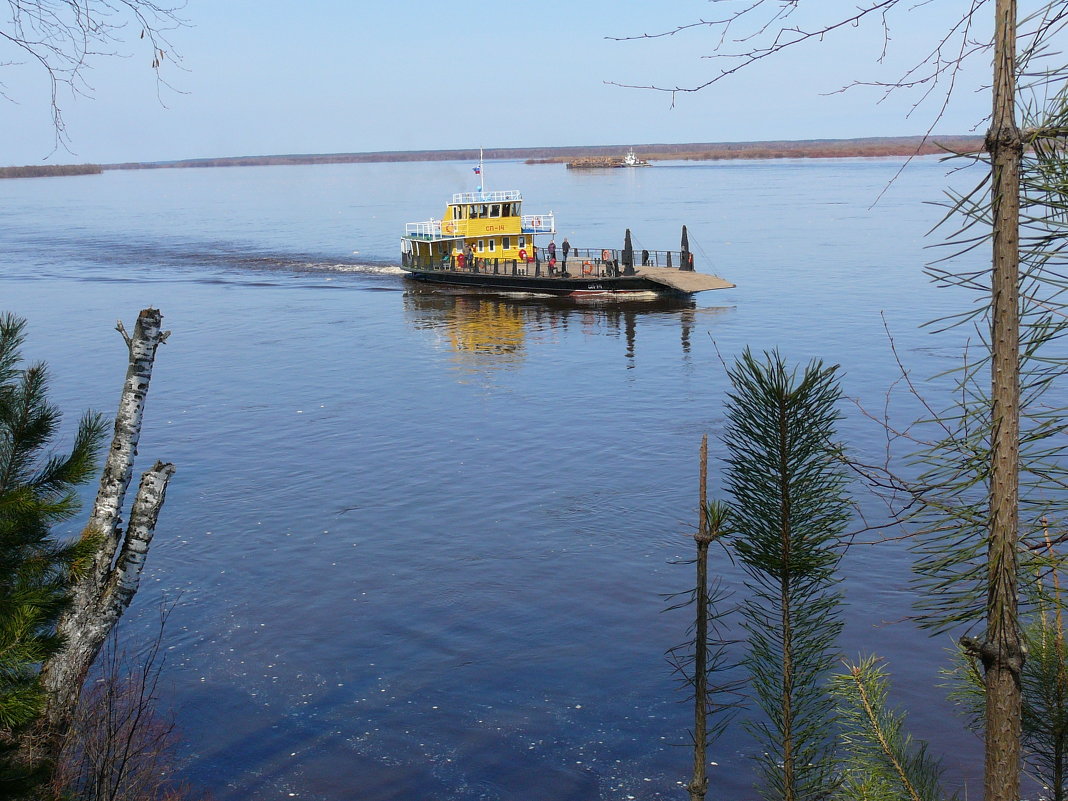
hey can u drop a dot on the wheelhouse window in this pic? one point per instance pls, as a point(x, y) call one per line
point(495, 210)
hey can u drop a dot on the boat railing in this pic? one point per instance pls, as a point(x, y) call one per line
point(429, 229)
point(539, 224)
point(436, 229)
point(502, 196)
point(580, 262)
point(640, 258)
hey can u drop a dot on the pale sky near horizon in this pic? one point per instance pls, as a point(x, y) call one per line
point(326, 76)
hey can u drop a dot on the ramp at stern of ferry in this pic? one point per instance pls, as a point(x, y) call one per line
point(683, 280)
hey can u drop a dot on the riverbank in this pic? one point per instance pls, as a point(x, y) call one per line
point(49, 170)
point(814, 148)
point(873, 147)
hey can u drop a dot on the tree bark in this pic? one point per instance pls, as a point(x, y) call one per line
point(1002, 651)
point(698, 785)
point(104, 591)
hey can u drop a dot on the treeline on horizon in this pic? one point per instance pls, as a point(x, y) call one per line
point(813, 148)
point(48, 170)
point(839, 148)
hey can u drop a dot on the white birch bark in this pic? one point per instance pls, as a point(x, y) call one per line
point(146, 507)
point(106, 517)
point(107, 586)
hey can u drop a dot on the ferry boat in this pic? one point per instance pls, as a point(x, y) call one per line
point(485, 241)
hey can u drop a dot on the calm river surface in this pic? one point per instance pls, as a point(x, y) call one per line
point(420, 543)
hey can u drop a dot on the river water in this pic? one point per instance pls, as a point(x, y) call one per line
point(420, 543)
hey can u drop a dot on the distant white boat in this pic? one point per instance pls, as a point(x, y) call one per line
point(632, 160)
point(600, 162)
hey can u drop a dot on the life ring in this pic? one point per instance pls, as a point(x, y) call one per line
point(522, 255)
point(587, 268)
point(606, 255)
point(537, 222)
point(449, 227)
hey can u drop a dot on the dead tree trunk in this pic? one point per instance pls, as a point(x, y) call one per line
point(1002, 652)
point(108, 585)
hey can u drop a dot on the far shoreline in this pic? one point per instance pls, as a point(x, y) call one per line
point(870, 147)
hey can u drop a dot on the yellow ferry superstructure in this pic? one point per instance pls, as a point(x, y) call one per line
point(492, 223)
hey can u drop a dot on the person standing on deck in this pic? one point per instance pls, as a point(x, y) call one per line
point(552, 250)
point(469, 255)
point(566, 248)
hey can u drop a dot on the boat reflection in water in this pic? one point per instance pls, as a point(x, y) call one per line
point(495, 331)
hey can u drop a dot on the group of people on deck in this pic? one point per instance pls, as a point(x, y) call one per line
point(467, 257)
point(551, 249)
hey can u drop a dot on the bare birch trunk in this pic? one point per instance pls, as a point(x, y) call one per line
point(108, 585)
point(1002, 652)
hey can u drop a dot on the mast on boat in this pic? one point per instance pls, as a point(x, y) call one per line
point(481, 175)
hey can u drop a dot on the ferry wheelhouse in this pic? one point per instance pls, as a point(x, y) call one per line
point(476, 227)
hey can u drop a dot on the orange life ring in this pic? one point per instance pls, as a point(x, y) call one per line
point(449, 227)
point(522, 255)
point(587, 268)
point(606, 255)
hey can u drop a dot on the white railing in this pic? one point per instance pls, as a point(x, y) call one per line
point(447, 229)
point(507, 195)
point(539, 223)
point(436, 229)
point(431, 229)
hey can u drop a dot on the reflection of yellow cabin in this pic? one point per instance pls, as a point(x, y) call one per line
point(486, 328)
point(492, 223)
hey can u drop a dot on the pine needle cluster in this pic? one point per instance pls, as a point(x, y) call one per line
point(37, 491)
point(881, 762)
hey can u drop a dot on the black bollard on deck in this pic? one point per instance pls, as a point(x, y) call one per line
point(628, 255)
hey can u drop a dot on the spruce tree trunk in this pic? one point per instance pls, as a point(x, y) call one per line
point(108, 585)
point(1002, 652)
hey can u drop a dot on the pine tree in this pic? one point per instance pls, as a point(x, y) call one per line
point(37, 491)
point(788, 513)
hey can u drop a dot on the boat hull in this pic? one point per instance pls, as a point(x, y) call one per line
point(574, 286)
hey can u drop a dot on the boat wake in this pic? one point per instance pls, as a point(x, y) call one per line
point(375, 269)
point(110, 251)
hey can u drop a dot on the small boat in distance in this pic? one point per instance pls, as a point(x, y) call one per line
point(485, 241)
point(603, 162)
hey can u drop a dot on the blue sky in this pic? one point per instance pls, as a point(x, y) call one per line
point(323, 76)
